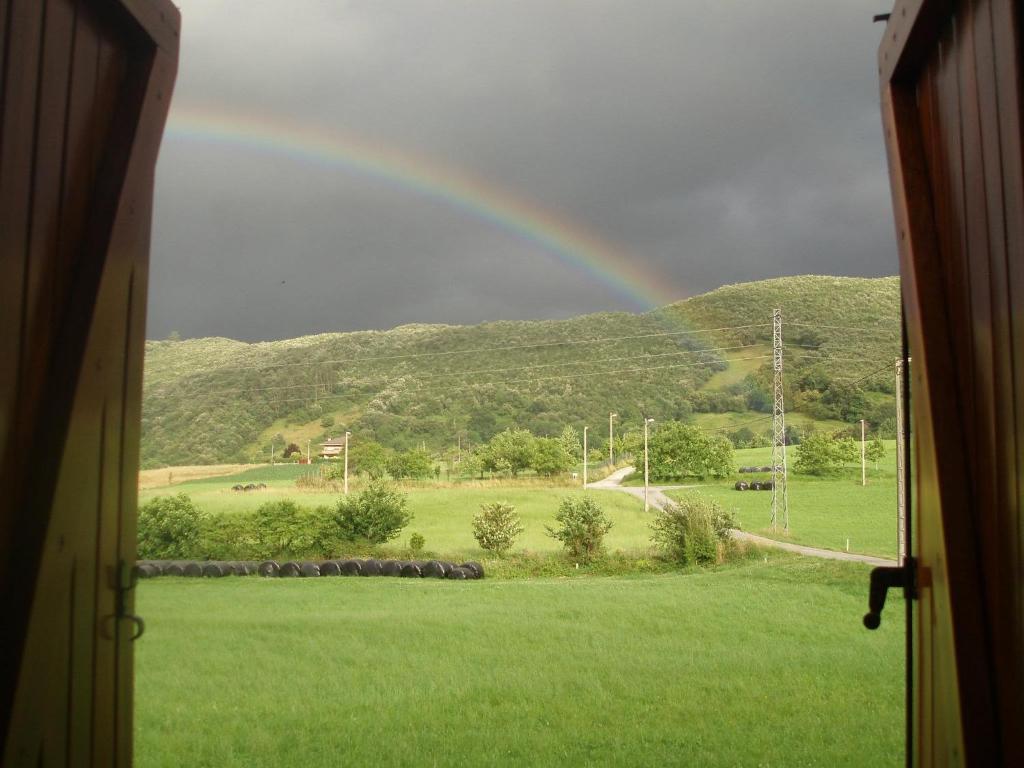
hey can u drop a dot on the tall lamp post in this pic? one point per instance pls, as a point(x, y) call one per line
point(346, 462)
point(647, 473)
point(585, 457)
point(611, 440)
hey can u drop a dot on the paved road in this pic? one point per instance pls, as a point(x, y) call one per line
point(658, 499)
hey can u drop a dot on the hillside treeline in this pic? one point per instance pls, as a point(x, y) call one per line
point(213, 400)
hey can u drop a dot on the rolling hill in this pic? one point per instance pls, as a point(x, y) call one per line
point(706, 358)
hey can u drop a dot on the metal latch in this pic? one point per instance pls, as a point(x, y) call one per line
point(127, 578)
point(882, 579)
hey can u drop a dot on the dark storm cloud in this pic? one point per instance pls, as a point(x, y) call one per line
point(712, 142)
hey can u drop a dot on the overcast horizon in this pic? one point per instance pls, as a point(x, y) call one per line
point(363, 165)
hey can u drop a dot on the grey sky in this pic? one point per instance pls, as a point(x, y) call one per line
point(710, 142)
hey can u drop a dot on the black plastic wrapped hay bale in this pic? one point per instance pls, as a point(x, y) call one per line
point(309, 569)
point(766, 485)
point(475, 568)
point(741, 486)
point(351, 567)
point(459, 573)
point(147, 570)
point(269, 568)
point(192, 569)
point(173, 569)
point(756, 485)
point(240, 568)
point(434, 569)
point(372, 567)
point(291, 568)
point(330, 568)
point(391, 568)
point(216, 570)
point(766, 469)
point(411, 571)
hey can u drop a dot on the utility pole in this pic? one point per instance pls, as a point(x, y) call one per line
point(901, 497)
point(779, 470)
point(647, 474)
point(611, 440)
point(460, 448)
point(863, 471)
point(308, 443)
point(346, 462)
point(585, 457)
point(271, 453)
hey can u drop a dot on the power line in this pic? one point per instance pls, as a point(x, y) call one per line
point(392, 375)
point(503, 348)
point(886, 367)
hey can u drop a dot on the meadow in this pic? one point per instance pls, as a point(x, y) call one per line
point(831, 512)
point(763, 662)
point(443, 515)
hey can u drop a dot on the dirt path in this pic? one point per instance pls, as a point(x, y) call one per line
point(657, 498)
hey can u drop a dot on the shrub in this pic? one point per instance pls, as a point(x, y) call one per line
point(229, 537)
point(377, 514)
point(496, 526)
point(169, 527)
point(689, 532)
point(417, 542)
point(583, 525)
point(282, 528)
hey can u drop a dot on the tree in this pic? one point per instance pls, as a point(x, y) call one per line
point(550, 457)
point(416, 463)
point(368, 457)
point(582, 526)
point(677, 450)
point(169, 527)
point(820, 453)
point(570, 440)
point(472, 464)
point(510, 451)
point(846, 401)
point(496, 526)
point(376, 514)
point(875, 451)
point(629, 444)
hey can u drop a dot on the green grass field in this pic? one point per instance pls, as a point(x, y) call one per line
point(762, 663)
point(823, 511)
point(442, 515)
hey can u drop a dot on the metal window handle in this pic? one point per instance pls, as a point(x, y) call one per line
point(140, 625)
point(881, 580)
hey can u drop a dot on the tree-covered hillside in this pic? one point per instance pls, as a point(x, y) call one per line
point(218, 400)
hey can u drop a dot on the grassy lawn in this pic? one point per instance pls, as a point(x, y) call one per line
point(443, 515)
point(763, 663)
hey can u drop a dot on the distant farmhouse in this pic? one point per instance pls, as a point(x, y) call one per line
point(333, 448)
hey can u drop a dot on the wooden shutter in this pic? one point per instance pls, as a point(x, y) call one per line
point(84, 90)
point(951, 94)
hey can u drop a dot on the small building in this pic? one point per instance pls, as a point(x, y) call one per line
point(333, 448)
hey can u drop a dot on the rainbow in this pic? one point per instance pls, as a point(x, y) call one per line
point(627, 277)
